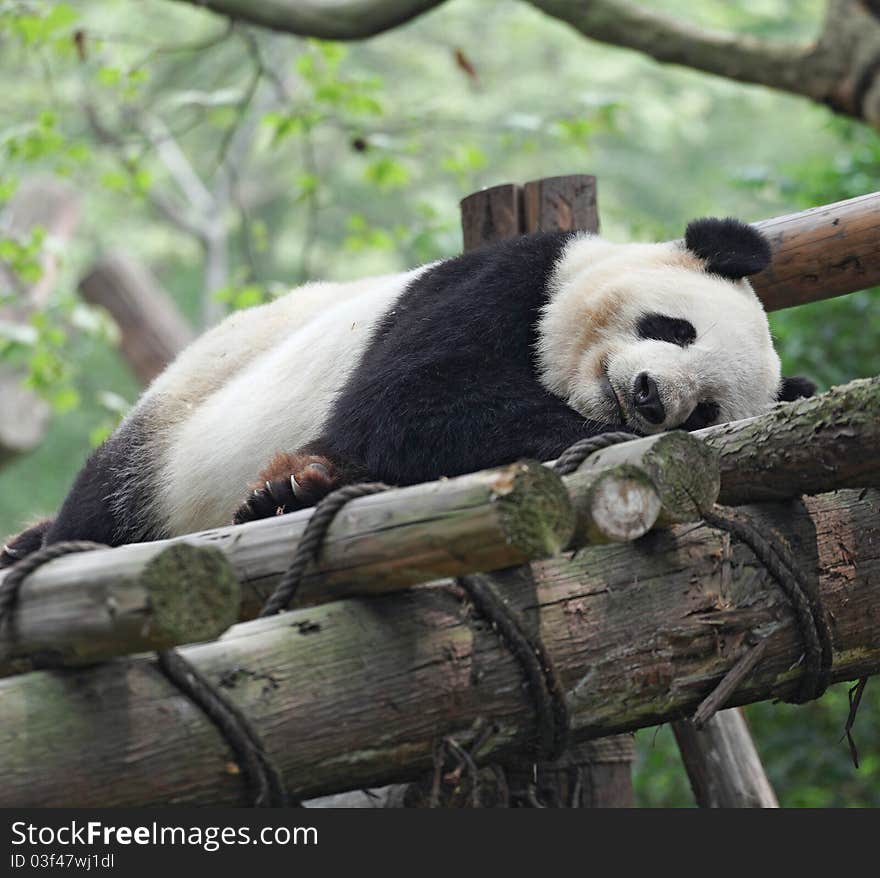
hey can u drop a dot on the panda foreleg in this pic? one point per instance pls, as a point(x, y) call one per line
point(23, 544)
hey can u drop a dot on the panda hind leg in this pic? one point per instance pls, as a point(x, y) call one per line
point(290, 482)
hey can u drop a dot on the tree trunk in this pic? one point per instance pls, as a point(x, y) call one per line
point(53, 206)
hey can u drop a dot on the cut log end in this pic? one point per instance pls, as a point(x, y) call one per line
point(623, 506)
point(685, 472)
point(534, 508)
point(194, 594)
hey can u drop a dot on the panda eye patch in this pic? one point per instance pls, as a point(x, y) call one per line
point(659, 327)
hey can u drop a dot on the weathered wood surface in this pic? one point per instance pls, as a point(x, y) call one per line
point(485, 521)
point(684, 475)
point(722, 763)
point(821, 253)
point(491, 215)
point(182, 594)
point(561, 204)
point(152, 330)
point(806, 447)
point(354, 693)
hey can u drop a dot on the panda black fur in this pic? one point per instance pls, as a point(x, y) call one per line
point(514, 350)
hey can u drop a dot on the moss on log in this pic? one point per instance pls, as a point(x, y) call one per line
point(806, 447)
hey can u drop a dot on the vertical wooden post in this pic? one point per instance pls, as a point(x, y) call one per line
point(721, 760)
point(491, 215)
point(596, 773)
point(722, 763)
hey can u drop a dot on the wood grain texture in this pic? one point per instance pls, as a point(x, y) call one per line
point(806, 447)
point(564, 204)
point(821, 253)
point(491, 215)
point(722, 763)
point(354, 693)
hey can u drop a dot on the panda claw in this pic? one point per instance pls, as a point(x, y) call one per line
point(291, 482)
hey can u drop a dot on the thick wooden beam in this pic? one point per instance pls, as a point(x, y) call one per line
point(355, 693)
point(561, 204)
point(821, 253)
point(491, 215)
point(806, 447)
point(484, 521)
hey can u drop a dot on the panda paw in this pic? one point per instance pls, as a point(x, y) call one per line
point(289, 483)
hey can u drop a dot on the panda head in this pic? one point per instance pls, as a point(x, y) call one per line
point(659, 336)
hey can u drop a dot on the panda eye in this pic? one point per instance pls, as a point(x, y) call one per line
point(659, 327)
point(703, 415)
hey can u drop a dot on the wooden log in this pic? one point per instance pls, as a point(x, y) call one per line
point(485, 521)
point(806, 447)
point(491, 215)
point(681, 469)
point(561, 204)
point(355, 693)
point(722, 763)
point(822, 252)
point(182, 594)
point(152, 330)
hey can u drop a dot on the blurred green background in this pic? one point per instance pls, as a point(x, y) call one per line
point(318, 160)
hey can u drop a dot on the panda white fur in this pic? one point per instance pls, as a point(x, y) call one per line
point(514, 350)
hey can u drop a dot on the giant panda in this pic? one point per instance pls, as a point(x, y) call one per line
point(514, 350)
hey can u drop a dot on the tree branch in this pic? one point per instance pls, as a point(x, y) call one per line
point(326, 19)
point(668, 39)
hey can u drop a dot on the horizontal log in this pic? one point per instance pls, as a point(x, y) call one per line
point(181, 594)
point(821, 253)
point(806, 447)
point(485, 521)
point(683, 472)
point(355, 693)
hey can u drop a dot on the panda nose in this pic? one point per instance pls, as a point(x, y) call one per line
point(646, 399)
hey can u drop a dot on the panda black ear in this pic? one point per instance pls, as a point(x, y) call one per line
point(730, 247)
point(795, 388)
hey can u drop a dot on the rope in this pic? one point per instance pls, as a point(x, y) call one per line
point(810, 615)
point(548, 696)
point(576, 454)
point(263, 780)
point(18, 572)
point(310, 543)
